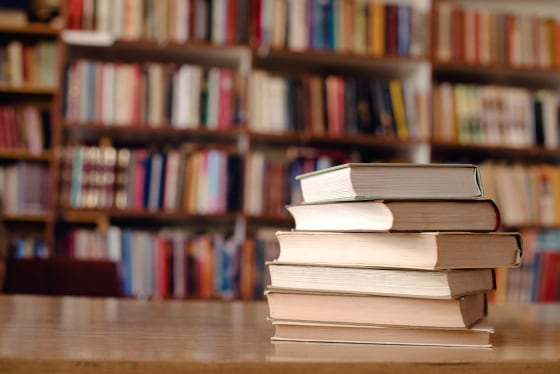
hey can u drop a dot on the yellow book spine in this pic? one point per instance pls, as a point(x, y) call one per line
point(395, 91)
point(377, 28)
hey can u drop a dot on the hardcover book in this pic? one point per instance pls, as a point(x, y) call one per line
point(355, 181)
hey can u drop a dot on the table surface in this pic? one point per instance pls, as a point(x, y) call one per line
point(72, 334)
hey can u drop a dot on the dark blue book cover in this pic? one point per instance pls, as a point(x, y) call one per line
point(147, 177)
point(404, 29)
point(126, 262)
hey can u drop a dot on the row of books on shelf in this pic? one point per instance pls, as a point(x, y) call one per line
point(181, 180)
point(375, 28)
point(154, 94)
point(177, 263)
point(215, 21)
point(538, 278)
point(24, 128)
point(474, 34)
point(22, 63)
point(526, 194)
point(24, 187)
point(270, 177)
point(496, 115)
point(337, 106)
point(27, 246)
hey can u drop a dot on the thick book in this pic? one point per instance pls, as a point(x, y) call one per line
point(390, 282)
point(462, 312)
point(424, 250)
point(398, 215)
point(354, 181)
point(478, 336)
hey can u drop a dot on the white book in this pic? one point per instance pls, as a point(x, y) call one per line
point(297, 31)
point(256, 103)
point(156, 94)
point(182, 20)
point(213, 98)
point(14, 53)
point(253, 192)
point(276, 95)
point(114, 240)
point(118, 18)
point(219, 21)
point(103, 16)
point(181, 84)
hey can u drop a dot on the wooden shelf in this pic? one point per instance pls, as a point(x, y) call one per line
point(333, 61)
point(27, 217)
point(32, 28)
point(26, 89)
point(8, 154)
point(146, 133)
point(344, 141)
point(497, 74)
point(272, 220)
point(518, 153)
point(226, 55)
point(92, 215)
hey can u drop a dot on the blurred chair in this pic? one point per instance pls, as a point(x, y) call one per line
point(63, 276)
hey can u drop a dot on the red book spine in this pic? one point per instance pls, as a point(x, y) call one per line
point(391, 14)
point(75, 9)
point(225, 97)
point(477, 37)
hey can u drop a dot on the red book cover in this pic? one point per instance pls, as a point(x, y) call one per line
point(162, 267)
point(225, 99)
point(75, 9)
point(256, 35)
point(341, 108)
point(458, 34)
point(391, 41)
point(139, 174)
point(231, 16)
point(549, 276)
point(2, 129)
point(477, 37)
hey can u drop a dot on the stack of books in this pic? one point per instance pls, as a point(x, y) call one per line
point(390, 254)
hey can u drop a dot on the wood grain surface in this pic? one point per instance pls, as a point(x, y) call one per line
point(96, 335)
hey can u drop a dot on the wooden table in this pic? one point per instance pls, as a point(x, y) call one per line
point(66, 335)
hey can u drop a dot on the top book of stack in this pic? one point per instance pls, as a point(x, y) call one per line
point(357, 181)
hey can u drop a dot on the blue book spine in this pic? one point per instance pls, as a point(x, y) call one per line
point(126, 262)
point(162, 180)
point(147, 178)
point(403, 27)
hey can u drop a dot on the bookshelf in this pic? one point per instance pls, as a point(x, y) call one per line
point(28, 95)
point(298, 95)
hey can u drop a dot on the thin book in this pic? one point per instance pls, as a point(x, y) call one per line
point(478, 336)
point(462, 312)
point(389, 282)
point(481, 215)
point(355, 181)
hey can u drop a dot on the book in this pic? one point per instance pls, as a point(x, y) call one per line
point(462, 312)
point(354, 181)
point(397, 215)
point(477, 336)
point(424, 250)
point(391, 282)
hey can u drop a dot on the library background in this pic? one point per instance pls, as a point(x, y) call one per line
point(148, 147)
